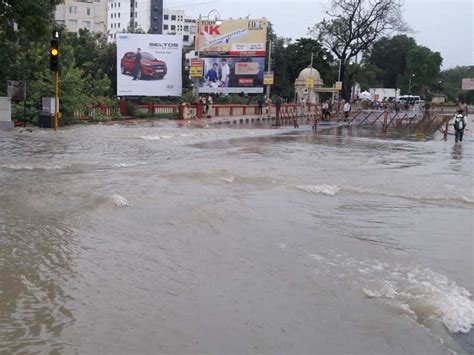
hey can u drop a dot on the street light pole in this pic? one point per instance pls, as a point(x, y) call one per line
point(409, 83)
point(269, 67)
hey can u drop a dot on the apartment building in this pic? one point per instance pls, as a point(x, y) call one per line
point(175, 22)
point(134, 15)
point(85, 14)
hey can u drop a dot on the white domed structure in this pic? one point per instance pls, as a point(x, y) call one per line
point(307, 85)
point(310, 73)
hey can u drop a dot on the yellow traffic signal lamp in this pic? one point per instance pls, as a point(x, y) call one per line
point(54, 55)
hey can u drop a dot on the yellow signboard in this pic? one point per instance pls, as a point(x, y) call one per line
point(241, 38)
point(197, 68)
point(338, 85)
point(310, 83)
point(268, 78)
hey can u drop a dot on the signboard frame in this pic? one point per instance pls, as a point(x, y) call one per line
point(467, 84)
point(160, 71)
point(268, 78)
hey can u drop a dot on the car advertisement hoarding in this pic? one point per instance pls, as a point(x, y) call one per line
point(233, 75)
point(238, 38)
point(149, 65)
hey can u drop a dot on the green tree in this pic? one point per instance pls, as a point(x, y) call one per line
point(390, 56)
point(425, 65)
point(31, 18)
point(290, 61)
point(355, 25)
point(451, 83)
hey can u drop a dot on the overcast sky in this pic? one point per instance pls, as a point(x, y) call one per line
point(446, 26)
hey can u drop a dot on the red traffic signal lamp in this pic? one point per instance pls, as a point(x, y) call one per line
point(54, 53)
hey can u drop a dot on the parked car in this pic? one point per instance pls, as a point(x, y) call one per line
point(150, 67)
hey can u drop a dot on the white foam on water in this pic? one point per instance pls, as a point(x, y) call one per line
point(127, 165)
point(119, 201)
point(229, 180)
point(333, 190)
point(424, 293)
point(151, 138)
point(35, 167)
point(330, 190)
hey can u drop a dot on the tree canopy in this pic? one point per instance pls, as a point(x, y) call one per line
point(390, 56)
point(31, 18)
point(354, 26)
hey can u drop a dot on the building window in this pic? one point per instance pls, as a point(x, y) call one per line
point(88, 11)
point(119, 25)
point(165, 27)
point(173, 28)
point(72, 24)
point(193, 29)
point(186, 28)
point(173, 17)
point(86, 24)
point(72, 9)
point(119, 14)
point(111, 15)
point(185, 38)
point(166, 17)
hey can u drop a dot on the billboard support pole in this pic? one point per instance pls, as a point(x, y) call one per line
point(196, 80)
point(269, 67)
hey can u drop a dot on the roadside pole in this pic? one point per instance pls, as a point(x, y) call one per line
point(269, 67)
point(197, 80)
point(56, 100)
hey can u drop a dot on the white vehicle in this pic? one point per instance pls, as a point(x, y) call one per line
point(411, 102)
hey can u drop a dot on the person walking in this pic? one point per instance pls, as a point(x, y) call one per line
point(347, 110)
point(325, 108)
point(260, 101)
point(138, 64)
point(459, 124)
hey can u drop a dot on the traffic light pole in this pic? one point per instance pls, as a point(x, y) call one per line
point(56, 100)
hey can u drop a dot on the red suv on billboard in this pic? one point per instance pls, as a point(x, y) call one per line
point(150, 67)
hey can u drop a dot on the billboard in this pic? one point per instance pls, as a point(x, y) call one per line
point(149, 65)
point(468, 84)
point(239, 38)
point(233, 75)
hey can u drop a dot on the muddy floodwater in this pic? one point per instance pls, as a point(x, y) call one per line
point(156, 239)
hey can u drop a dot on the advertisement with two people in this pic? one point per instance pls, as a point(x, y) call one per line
point(149, 65)
point(232, 75)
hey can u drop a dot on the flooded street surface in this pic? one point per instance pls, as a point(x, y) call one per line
point(166, 240)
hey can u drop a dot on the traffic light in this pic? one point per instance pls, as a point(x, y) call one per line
point(54, 52)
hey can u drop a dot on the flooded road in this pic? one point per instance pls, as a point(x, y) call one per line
point(165, 240)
